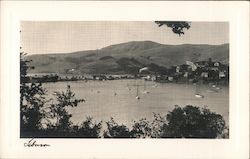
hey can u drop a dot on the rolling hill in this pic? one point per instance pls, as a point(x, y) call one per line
point(127, 58)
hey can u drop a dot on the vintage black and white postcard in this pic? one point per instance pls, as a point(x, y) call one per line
point(125, 81)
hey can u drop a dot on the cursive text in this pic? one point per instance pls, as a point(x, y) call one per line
point(33, 143)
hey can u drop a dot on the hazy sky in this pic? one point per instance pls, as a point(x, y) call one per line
point(63, 37)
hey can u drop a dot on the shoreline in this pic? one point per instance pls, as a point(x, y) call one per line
point(188, 82)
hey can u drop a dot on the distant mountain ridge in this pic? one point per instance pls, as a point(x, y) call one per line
point(127, 58)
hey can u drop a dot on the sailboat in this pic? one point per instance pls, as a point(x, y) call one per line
point(199, 96)
point(128, 87)
point(137, 92)
point(56, 92)
point(215, 86)
point(218, 88)
point(144, 90)
point(115, 92)
point(197, 92)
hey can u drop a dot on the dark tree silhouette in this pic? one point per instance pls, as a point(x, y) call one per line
point(32, 100)
point(114, 130)
point(89, 129)
point(37, 113)
point(177, 27)
point(193, 122)
point(59, 112)
point(187, 122)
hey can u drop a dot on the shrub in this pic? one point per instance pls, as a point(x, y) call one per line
point(141, 129)
point(32, 100)
point(114, 130)
point(187, 122)
point(59, 112)
point(193, 122)
point(88, 129)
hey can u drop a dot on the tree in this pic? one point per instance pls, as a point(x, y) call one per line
point(187, 122)
point(148, 129)
point(32, 100)
point(177, 27)
point(88, 129)
point(114, 130)
point(193, 122)
point(59, 112)
point(37, 114)
point(141, 129)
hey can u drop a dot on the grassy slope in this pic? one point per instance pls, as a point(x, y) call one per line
point(128, 57)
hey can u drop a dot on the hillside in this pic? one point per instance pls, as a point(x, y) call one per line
point(127, 58)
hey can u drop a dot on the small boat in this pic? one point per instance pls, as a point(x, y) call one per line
point(137, 92)
point(115, 92)
point(56, 93)
point(199, 96)
point(197, 91)
point(146, 92)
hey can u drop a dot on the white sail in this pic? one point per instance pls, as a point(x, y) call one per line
point(137, 92)
point(197, 91)
point(145, 90)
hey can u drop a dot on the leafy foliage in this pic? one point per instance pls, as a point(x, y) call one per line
point(35, 109)
point(177, 27)
point(193, 122)
point(141, 129)
point(58, 110)
point(89, 129)
point(23, 65)
point(186, 122)
point(114, 130)
point(32, 100)
point(36, 114)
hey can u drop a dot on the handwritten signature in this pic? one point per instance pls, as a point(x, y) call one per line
point(32, 143)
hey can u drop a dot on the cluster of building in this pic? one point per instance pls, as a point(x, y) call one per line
point(209, 71)
point(43, 78)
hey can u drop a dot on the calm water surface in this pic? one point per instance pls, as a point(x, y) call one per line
point(117, 99)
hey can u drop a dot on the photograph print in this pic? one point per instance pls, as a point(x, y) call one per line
point(124, 79)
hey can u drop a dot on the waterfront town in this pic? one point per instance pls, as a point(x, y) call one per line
point(207, 71)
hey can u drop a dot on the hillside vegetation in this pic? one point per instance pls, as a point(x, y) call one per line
point(127, 58)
